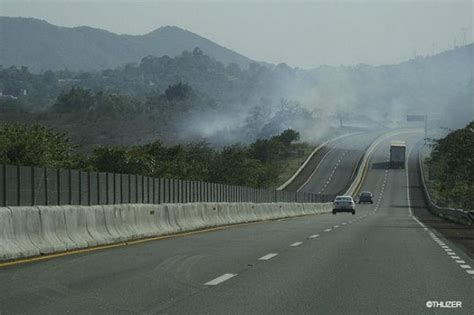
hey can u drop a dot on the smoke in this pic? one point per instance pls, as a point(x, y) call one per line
point(325, 101)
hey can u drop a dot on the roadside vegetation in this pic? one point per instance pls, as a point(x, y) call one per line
point(451, 169)
point(191, 97)
point(258, 164)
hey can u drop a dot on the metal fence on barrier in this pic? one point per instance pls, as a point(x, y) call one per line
point(27, 186)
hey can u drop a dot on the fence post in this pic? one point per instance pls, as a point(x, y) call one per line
point(153, 198)
point(106, 188)
point(98, 187)
point(58, 180)
point(136, 188)
point(129, 188)
point(143, 189)
point(69, 180)
point(221, 193)
point(80, 187)
point(210, 190)
point(147, 180)
point(114, 189)
point(88, 188)
point(45, 173)
point(4, 184)
point(170, 193)
point(32, 170)
point(161, 190)
point(18, 185)
point(173, 190)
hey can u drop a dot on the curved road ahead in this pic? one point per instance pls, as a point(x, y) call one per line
point(379, 261)
point(337, 164)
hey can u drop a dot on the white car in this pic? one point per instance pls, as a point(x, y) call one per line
point(343, 204)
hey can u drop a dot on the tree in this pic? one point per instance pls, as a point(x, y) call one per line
point(77, 99)
point(34, 146)
point(235, 166)
point(179, 92)
point(288, 136)
point(451, 164)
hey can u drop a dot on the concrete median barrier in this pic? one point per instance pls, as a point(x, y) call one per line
point(32, 231)
point(145, 218)
point(22, 239)
point(53, 227)
point(172, 218)
point(76, 226)
point(97, 227)
point(8, 246)
point(116, 230)
point(162, 222)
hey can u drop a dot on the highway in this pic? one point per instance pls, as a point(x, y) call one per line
point(379, 261)
point(337, 164)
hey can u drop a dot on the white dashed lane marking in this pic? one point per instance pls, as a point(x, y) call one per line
point(268, 256)
point(221, 279)
point(296, 244)
point(327, 230)
point(314, 236)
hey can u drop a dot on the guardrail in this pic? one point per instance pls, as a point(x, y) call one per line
point(465, 217)
point(30, 186)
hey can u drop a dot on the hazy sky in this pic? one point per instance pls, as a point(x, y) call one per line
point(301, 33)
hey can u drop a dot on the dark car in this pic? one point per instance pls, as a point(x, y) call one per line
point(366, 196)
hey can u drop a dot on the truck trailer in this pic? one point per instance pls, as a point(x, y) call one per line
point(397, 154)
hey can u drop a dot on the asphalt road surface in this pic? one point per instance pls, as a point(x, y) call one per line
point(379, 261)
point(338, 164)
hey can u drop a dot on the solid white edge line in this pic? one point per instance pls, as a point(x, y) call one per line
point(268, 256)
point(221, 279)
point(448, 251)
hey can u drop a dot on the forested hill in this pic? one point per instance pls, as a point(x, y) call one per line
point(193, 96)
point(42, 46)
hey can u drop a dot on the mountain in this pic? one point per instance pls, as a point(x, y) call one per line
point(440, 85)
point(42, 46)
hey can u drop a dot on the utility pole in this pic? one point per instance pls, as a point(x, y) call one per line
point(426, 126)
